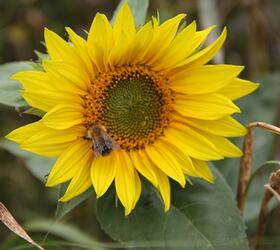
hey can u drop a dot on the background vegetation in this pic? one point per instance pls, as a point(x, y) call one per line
point(253, 41)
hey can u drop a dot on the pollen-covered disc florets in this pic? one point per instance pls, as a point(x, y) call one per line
point(132, 102)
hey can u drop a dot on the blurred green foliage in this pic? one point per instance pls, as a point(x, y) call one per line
point(253, 41)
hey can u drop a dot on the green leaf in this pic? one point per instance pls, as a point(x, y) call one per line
point(38, 166)
point(41, 56)
point(9, 89)
point(139, 10)
point(65, 231)
point(65, 207)
point(202, 216)
point(34, 111)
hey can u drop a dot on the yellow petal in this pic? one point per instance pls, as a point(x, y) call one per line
point(196, 41)
point(34, 80)
point(64, 116)
point(103, 172)
point(38, 100)
point(124, 21)
point(148, 36)
point(207, 107)
point(124, 37)
point(203, 169)
point(21, 134)
point(120, 52)
point(164, 188)
point(205, 79)
point(125, 182)
point(46, 100)
point(182, 157)
point(162, 181)
point(141, 42)
point(224, 146)
point(143, 165)
point(200, 37)
point(70, 162)
point(100, 41)
point(238, 88)
point(60, 50)
point(81, 180)
point(138, 188)
point(225, 126)
point(191, 142)
point(179, 48)
point(163, 36)
point(166, 162)
point(50, 142)
point(205, 55)
point(67, 77)
point(81, 48)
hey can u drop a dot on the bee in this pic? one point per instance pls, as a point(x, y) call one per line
point(102, 144)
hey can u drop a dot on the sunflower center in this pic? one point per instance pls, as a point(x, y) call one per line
point(132, 103)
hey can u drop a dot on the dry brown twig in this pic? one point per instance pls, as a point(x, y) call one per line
point(10, 222)
point(246, 162)
point(245, 170)
point(271, 189)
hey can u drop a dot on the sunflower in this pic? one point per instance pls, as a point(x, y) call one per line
point(129, 101)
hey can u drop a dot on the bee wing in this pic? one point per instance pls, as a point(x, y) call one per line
point(110, 143)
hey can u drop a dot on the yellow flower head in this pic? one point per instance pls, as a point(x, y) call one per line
point(130, 101)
